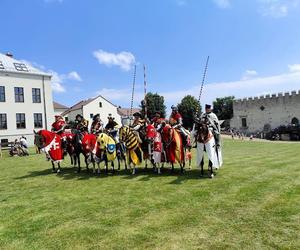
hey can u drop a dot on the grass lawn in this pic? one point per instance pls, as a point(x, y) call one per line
point(252, 203)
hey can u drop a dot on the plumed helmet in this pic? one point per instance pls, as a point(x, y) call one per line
point(79, 115)
point(110, 116)
point(207, 106)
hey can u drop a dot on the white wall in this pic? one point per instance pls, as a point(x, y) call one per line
point(107, 108)
point(10, 107)
point(278, 110)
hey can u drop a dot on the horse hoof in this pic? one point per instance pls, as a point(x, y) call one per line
point(58, 171)
point(211, 176)
point(53, 171)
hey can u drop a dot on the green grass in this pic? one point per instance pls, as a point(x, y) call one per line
point(252, 203)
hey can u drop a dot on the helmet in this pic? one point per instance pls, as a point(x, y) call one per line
point(79, 115)
point(174, 108)
point(137, 114)
point(96, 116)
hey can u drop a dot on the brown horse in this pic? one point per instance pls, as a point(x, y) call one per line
point(173, 146)
point(206, 142)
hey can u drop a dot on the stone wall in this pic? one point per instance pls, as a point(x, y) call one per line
point(265, 112)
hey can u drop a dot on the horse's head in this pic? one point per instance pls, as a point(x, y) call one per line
point(150, 132)
point(167, 133)
point(39, 140)
point(202, 131)
point(103, 140)
point(123, 131)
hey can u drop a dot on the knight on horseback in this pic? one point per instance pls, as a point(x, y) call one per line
point(81, 127)
point(137, 125)
point(176, 122)
point(158, 121)
point(213, 123)
point(97, 125)
point(112, 127)
point(58, 127)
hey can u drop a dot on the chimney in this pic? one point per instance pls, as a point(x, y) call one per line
point(9, 54)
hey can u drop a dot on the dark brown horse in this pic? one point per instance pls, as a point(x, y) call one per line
point(206, 143)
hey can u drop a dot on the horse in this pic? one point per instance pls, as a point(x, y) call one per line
point(88, 148)
point(106, 151)
point(155, 147)
point(50, 143)
point(206, 142)
point(173, 146)
point(133, 149)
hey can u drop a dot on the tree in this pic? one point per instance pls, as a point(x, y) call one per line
point(155, 102)
point(223, 107)
point(188, 108)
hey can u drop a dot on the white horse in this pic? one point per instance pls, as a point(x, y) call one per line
point(206, 143)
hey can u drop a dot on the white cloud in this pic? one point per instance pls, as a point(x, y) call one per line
point(224, 4)
point(125, 60)
point(277, 8)
point(294, 68)
point(249, 74)
point(57, 82)
point(74, 76)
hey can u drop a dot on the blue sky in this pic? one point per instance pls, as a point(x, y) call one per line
point(90, 46)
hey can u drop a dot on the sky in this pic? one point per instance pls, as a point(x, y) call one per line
point(91, 46)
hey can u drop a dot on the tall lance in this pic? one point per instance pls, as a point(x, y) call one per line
point(132, 95)
point(145, 93)
point(202, 84)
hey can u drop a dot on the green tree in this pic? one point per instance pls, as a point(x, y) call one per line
point(188, 108)
point(155, 102)
point(223, 107)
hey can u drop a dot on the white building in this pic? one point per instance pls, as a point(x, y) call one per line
point(25, 99)
point(89, 108)
point(126, 114)
point(59, 108)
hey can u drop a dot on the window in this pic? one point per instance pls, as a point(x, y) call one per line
point(20, 120)
point(100, 104)
point(2, 94)
point(38, 120)
point(19, 94)
point(4, 142)
point(66, 119)
point(3, 121)
point(244, 122)
point(21, 67)
point(36, 95)
point(1, 65)
point(91, 116)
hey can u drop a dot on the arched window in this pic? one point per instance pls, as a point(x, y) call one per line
point(295, 121)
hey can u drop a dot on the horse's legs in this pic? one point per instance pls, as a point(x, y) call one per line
point(211, 169)
point(98, 164)
point(78, 159)
point(53, 167)
point(86, 163)
point(172, 164)
point(201, 164)
point(58, 170)
point(158, 168)
point(133, 171)
point(71, 158)
point(113, 166)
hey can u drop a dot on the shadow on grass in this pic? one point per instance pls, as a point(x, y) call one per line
point(142, 174)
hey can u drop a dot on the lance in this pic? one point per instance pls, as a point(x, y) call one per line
point(132, 95)
point(202, 84)
point(145, 93)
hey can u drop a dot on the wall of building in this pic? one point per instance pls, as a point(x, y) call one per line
point(265, 111)
point(10, 107)
point(59, 111)
point(107, 108)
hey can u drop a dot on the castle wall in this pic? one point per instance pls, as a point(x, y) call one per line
point(265, 112)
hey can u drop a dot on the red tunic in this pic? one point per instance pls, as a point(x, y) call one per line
point(176, 117)
point(56, 126)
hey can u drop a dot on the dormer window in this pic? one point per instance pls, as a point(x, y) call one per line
point(1, 65)
point(21, 67)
